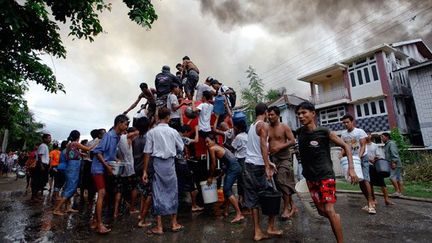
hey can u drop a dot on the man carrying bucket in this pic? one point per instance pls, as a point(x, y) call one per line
point(356, 139)
point(314, 146)
point(258, 169)
point(281, 139)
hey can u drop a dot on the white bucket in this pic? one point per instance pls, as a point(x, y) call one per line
point(357, 167)
point(301, 186)
point(117, 167)
point(209, 192)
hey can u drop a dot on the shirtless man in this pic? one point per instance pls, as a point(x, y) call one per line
point(280, 139)
point(147, 94)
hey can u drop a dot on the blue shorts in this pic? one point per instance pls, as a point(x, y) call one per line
point(396, 174)
point(365, 168)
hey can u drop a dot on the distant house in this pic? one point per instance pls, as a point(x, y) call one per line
point(287, 105)
point(420, 79)
point(368, 87)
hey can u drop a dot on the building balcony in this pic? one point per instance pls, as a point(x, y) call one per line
point(332, 97)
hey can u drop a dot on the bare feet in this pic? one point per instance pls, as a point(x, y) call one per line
point(93, 224)
point(237, 219)
point(155, 231)
point(103, 230)
point(389, 203)
point(274, 232)
point(293, 212)
point(260, 236)
point(58, 213)
point(133, 211)
point(71, 210)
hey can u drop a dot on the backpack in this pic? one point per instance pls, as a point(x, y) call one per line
point(232, 97)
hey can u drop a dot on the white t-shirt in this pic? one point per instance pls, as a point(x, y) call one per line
point(3, 157)
point(240, 144)
point(372, 151)
point(204, 116)
point(43, 151)
point(171, 101)
point(126, 155)
point(353, 140)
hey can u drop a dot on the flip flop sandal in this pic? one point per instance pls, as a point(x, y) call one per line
point(177, 229)
point(144, 224)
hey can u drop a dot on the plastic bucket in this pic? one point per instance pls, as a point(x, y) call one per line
point(382, 167)
point(301, 186)
point(357, 167)
point(219, 105)
point(270, 202)
point(239, 116)
point(209, 193)
point(117, 167)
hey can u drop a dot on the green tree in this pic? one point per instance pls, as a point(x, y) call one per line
point(272, 95)
point(401, 143)
point(253, 94)
point(30, 28)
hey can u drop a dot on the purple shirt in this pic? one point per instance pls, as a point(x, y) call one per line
point(108, 148)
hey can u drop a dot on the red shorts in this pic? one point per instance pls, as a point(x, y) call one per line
point(99, 181)
point(323, 191)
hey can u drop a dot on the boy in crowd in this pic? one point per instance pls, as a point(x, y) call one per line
point(314, 146)
point(392, 155)
point(205, 110)
point(105, 151)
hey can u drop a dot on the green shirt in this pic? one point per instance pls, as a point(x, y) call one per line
point(391, 153)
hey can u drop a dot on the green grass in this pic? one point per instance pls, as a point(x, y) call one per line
point(411, 189)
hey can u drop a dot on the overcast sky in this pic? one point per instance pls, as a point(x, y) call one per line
point(281, 39)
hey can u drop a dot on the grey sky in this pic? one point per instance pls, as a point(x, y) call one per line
point(281, 39)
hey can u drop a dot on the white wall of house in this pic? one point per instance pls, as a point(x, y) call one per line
point(364, 79)
point(289, 117)
point(373, 89)
point(421, 85)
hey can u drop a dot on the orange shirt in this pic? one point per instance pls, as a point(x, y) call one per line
point(54, 157)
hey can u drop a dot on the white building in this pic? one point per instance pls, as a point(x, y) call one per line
point(420, 79)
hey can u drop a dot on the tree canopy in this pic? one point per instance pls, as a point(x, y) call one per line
point(31, 28)
point(254, 94)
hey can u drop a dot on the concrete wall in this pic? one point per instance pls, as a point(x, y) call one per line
point(421, 85)
point(372, 89)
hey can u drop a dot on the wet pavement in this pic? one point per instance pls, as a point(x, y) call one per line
point(23, 221)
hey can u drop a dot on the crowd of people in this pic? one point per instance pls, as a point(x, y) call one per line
point(147, 165)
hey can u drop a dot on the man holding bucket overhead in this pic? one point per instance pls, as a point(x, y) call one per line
point(257, 170)
point(314, 146)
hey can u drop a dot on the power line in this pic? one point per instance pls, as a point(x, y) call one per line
point(330, 38)
point(307, 64)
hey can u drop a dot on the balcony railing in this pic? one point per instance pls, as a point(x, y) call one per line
point(333, 95)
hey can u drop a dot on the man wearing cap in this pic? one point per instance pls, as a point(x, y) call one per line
point(192, 73)
point(222, 89)
point(163, 83)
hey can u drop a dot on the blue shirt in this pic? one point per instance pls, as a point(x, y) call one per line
point(108, 148)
